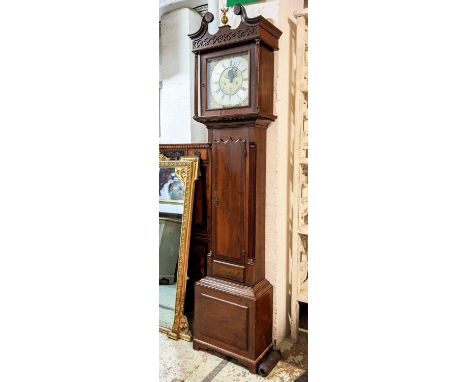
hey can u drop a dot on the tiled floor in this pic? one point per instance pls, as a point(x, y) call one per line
point(179, 362)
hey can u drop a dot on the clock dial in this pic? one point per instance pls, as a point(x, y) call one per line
point(228, 81)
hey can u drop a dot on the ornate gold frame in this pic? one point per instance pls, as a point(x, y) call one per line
point(187, 171)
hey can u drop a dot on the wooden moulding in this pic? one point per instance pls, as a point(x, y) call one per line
point(234, 288)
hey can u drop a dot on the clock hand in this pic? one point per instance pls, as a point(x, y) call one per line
point(232, 73)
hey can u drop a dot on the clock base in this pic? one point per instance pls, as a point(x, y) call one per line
point(234, 319)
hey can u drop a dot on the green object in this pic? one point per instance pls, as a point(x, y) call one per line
point(231, 3)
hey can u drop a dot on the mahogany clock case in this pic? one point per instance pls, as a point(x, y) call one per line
point(234, 303)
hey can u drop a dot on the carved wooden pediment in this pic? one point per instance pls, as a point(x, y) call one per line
point(256, 28)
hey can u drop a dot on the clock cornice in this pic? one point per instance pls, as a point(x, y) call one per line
point(256, 28)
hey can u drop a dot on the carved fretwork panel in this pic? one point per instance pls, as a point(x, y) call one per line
point(225, 36)
point(303, 273)
point(304, 151)
point(302, 202)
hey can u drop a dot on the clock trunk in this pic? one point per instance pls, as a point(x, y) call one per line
point(238, 209)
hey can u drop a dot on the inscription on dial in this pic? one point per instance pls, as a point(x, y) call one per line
point(228, 81)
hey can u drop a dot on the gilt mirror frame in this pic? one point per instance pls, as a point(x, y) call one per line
point(187, 171)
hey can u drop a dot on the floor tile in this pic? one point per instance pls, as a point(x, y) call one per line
point(177, 359)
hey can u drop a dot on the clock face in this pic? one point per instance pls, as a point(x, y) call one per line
point(228, 81)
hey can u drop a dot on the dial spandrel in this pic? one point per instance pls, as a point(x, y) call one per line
point(228, 81)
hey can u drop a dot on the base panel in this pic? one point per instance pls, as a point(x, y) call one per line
point(234, 319)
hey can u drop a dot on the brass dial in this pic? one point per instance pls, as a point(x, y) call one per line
point(228, 81)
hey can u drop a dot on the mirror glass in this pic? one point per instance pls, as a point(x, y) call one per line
point(171, 201)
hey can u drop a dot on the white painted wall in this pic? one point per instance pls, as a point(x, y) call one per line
point(166, 6)
point(213, 7)
point(176, 76)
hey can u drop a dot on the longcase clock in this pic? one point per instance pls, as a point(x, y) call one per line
point(234, 99)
